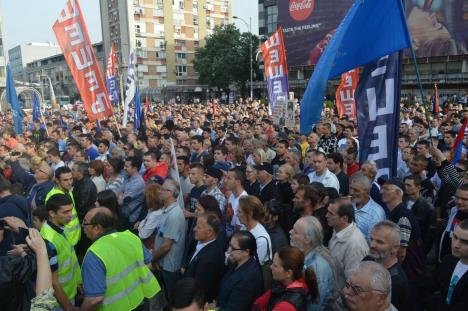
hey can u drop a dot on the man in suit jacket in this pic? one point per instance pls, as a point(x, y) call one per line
point(206, 263)
point(268, 189)
point(453, 273)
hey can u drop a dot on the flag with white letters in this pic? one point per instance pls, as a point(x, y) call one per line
point(378, 105)
point(130, 86)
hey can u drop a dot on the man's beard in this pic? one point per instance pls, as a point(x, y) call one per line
point(299, 207)
point(379, 256)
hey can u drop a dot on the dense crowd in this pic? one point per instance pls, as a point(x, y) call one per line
point(213, 207)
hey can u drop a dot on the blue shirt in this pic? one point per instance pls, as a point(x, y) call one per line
point(367, 216)
point(92, 153)
point(133, 186)
point(93, 272)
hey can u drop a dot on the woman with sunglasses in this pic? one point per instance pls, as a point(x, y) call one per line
point(293, 287)
point(242, 283)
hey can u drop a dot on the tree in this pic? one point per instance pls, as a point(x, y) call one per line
point(225, 58)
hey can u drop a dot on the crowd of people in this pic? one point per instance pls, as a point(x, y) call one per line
point(213, 207)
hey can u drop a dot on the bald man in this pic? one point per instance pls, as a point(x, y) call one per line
point(113, 265)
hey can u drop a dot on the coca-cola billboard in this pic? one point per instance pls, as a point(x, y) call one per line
point(308, 26)
point(301, 9)
point(438, 28)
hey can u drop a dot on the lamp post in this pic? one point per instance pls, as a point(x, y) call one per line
point(249, 26)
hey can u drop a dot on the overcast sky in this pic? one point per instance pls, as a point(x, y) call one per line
point(31, 20)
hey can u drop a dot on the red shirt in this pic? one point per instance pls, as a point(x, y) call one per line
point(353, 169)
point(262, 301)
point(161, 169)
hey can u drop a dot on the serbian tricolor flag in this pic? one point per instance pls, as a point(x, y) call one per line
point(435, 101)
point(276, 68)
point(111, 77)
point(458, 146)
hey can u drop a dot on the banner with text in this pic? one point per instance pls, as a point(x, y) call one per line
point(345, 103)
point(276, 68)
point(111, 77)
point(438, 28)
point(378, 105)
point(72, 36)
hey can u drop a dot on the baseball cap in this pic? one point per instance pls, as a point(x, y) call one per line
point(264, 167)
point(214, 172)
point(396, 182)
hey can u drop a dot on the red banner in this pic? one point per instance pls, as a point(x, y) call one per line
point(276, 68)
point(72, 36)
point(345, 102)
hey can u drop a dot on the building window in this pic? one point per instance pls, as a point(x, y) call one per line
point(181, 55)
point(181, 71)
point(271, 18)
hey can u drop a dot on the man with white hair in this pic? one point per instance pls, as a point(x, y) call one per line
point(368, 288)
point(366, 211)
point(369, 168)
point(307, 235)
point(384, 245)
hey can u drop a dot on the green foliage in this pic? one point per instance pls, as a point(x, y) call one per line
point(225, 58)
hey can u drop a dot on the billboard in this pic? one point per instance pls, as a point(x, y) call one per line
point(438, 27)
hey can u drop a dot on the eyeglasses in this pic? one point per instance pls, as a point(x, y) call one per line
point(88, 224)
point(356, 289)
point(459, 169)
point(232, 248)
point(42, 171)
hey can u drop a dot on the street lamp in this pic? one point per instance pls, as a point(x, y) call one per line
point(249, 26)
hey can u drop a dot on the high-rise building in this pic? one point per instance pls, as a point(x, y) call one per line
point(3, 61)
point(165, 35)
point(267, 17)
point(21, 55)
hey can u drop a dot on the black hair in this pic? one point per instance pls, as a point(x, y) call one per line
point(62, 170)
point(135, 162)
point(187, 291)
point(57, 200)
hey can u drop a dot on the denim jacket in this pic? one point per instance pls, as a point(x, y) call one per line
point(325, 280)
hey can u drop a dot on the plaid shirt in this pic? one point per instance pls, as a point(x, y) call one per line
point(219, 196)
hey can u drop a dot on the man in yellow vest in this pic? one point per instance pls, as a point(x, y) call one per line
point(115, 273)
point(64, 185)
point(66, 273)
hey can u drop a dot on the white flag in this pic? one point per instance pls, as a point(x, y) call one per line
point(130, 86)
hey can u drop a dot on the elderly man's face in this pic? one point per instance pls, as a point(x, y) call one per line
point(360, 296)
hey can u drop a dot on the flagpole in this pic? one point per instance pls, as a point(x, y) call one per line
point(117, 124)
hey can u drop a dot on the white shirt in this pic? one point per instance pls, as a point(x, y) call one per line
point(348, 247)
point(199, 247)
point(56, 166)
point(328, 179)
point(263, 240)
point(149, 224)
point(234, 201)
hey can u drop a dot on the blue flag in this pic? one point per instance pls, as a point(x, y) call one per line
point(12, 98)
point(371, 29)
point(36, 109)
point(137, 100)
point(378, 111)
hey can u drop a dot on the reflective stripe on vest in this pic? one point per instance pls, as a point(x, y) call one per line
point(73, 228)
point(69, 272)
point(128, 279)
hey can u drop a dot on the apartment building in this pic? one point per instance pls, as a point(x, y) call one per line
point(165, 35)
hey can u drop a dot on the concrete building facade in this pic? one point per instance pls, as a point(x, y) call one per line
point(165, 35)
point(3, 56)
point(56, 68)
point(21, 55)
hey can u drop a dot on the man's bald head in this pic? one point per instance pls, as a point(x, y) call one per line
point(98, 221)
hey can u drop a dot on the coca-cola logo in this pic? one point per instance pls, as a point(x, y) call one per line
point(301, 9)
